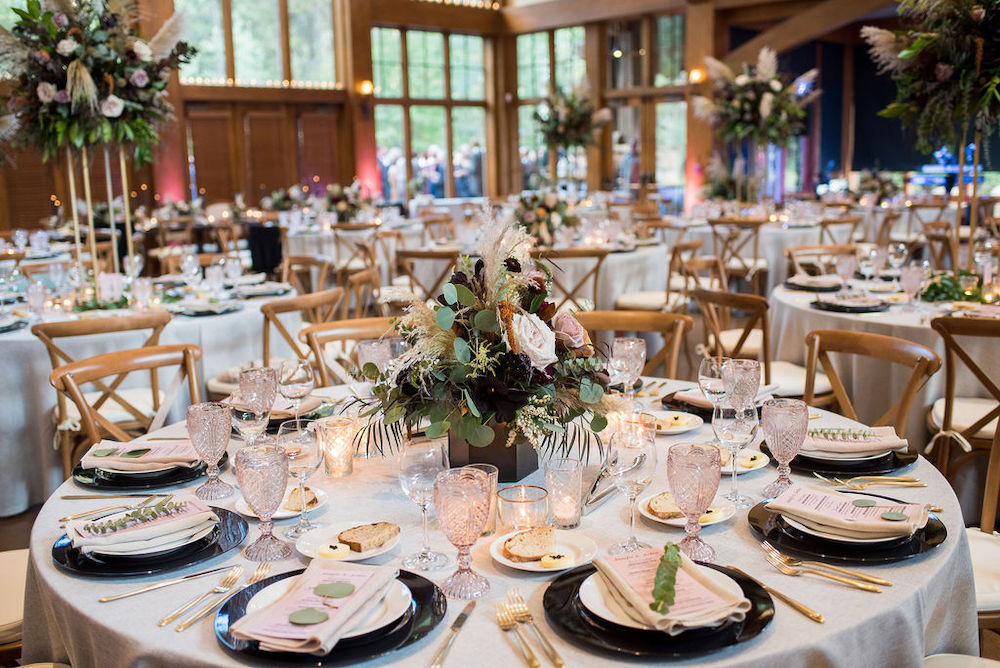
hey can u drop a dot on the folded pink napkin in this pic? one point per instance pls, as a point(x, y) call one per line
point(273, 625)
point(882, 439)
point(140, 455)
point(848, 515)
point(823, 281)
point(696, 397)
point(146, 529)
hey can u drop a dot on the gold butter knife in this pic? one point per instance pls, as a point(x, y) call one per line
point(800, 607)
point(456, 626)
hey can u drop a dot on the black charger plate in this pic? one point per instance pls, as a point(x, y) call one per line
point(574, 622)
point(888, 463)
point(426, 611)
point(17, 324)
point(233, 308)
point(845, 308)
point(141, 480)
point(812, 288)
point(228, 534)
point(786, 538)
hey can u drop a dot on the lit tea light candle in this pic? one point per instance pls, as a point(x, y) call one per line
point(336, 434)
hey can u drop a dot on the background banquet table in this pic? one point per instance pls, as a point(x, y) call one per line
point(930, 608)
point(32, 470)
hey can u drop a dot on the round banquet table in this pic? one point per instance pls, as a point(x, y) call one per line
point(32, 467)
point(930, 607)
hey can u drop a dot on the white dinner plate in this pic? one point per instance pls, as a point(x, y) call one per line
point(573, 543)
point(283, 513)
point(723, 507)
point(162, 549)
point(834, 537)
point(309, 543)
point(159, 469)
point(841, 456)
point(597, 602)
point(663, 419)
point(744, 455)
point(395, 604)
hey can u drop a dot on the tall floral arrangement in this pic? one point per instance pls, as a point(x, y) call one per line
point(347, 202)
point(877, 184)
point(543, 215)
point(491, 356)
point(285, 199)
point(568, 119)
point(83, 76)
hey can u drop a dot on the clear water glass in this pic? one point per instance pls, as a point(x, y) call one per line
point(631, 463)
point(710, 379)
point(304, 453)
point(260, 384)
point(142, 292)
point(250, 416)
point(214, 278)
point(784, 423)
point(419, 464)
point(897, 255)
point(741, 379)
point(462, 504)
point(735, 428)
point(295, 381)
point(208, 428)
point(693, 471)
point(628, 356)
point(232, 268)
point(262, 472)
point(845, 266)
point(20, 239)
point(190, 270)
point(911, 280)
point(374, 351)
point(35, 296)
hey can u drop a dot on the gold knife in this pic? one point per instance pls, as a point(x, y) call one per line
point(165, 583)
point(456, 626)
point(805, 610)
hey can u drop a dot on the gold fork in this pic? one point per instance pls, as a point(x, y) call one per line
point(888, 483)
point(258, 574)
point(788, 570)
point(792, 561)
point(227, 582)
point(108, 509)
point(506, 623)
point(519, 609)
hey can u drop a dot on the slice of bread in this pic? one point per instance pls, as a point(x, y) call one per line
point(530, 545)
point(724, 456)
point(368, 536)
point(662, 505)
point(294, 502)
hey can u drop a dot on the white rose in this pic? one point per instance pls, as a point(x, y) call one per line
point(46, 92)
point(551, 199)
point(142, 50)
point(742, 80)
point(112, 106)
point(556, 219)
point(775, 85)
point(534, 339)
point(66, 47)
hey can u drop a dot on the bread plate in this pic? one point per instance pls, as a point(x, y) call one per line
point(722, 509)
point(665, 422)
point(310, 542)
point(574, 543)
point(283, 513)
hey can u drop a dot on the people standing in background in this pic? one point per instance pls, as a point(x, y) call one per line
point(462, 166)
point(476, 188)
point(382, 155)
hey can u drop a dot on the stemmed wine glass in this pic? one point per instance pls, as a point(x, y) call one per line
point(898, 253)
point(735, 428)
point(628, 355)
point(710, 379)
point(262, 472)
point(208, 427)
point(741, 380)
point(693, 471)
point(250, 415)
point(869, 263)
point(295, 381)
point(419, 464)
point(845, 265)
point(631, 462)
point(132, 266)
point(304, 454)
point(784, 423)
point(462, 504)
point(911, 279)
point(190, 270)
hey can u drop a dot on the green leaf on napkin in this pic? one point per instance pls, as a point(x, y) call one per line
point(666, 577)
point(863, 503)
point(134, 454)
point(334, 589)
point(308, 617)
point(104, 452)
point(894, 516)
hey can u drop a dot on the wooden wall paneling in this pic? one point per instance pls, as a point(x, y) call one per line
point(318, 146)
point(563, 13)
point(699, 34)
point(436, 16)
point(265, 149)
point(211, 137)
point(600, 153)
point(506, 111)
point(361, 107)
point(493, 164)
point(27, 184)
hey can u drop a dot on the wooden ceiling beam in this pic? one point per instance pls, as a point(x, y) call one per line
point(805, 26)
point(771, 11)
point(455, 18)
point(562, 13)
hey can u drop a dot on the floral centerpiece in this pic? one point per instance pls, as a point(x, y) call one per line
point(492, 364)
point(543, 215)
point(83, 76)
point(877, 184)
point(569, 119)
point(347, 202)
point(285, 199)
point(172, 209)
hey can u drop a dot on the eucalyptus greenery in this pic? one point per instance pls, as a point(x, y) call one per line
point(134, 517)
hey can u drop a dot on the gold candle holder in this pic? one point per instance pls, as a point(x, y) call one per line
point(90, 211)
point(336, 434)
point(130, 249)
point(70, 169)
point(111, 211)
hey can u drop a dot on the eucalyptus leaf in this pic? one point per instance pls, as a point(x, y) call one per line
point(482, 436)
point(465, 296)
point(444, 318)
point(308, 617)
point(599, 423)
point(134, 454)
point(463, 353)
point(666, 578)
point(104, 452)
point(450, 293)
point(472, 404)
point(486, 320)
point(334, 589)
point(370, 371)
point(437, 429)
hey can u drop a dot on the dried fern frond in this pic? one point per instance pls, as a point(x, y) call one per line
point(767, 64)
point(718, 70)
point(704, 108)
point(884, 47)
point(126, 9)
point(13, 54)
point(166, 39)
point(80, 85)
point(64, 6)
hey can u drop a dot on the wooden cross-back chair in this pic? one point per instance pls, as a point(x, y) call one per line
point(363, 291)
point(385, 245)
point(68, 379)
point(343, 333)
point(939, 239)
point(674, 298)
point(171, 264)
point(297, 271)
point(816, 260)
point(438, 227)
point(919, 214)
point(176, 232)
point(419, 285)
point(38, 268)
point(565, 294)
point(671, 326)
point(842, 230)
point(664, 231)
point(353, 248)
point(737, 245)
point(884, 235)
point(921, 360)
point(130, 408)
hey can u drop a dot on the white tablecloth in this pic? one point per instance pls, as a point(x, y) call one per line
point(930, 608)
point(31, 469)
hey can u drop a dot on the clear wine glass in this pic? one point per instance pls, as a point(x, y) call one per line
point(295, 381)
point(741, 379)
point(631, 462)
point(304, 453)
point(132, 265)
point(867, 263)
point(693, 471)
point(142, 292)
point(262, 472)
point(214, 279)
point(628, 356)
point(374, 351)
point(250, 415)
point(190, 270)
point(262, 383)
point(735, 428)
point(208, 427)
point(898, 253)
point(845, 266)
point(911, 280)
point(784, 423)
point(462, 505)
point(233, 269)
point(419, 464)
point(710, 379)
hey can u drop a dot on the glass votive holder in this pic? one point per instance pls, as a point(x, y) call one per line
point(564, 482)
point(493, 473)
point(641, 424)
point(523, 506)
point(336, 435)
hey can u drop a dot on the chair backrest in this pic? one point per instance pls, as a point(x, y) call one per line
point(572, 295)
point(883, 236)
point(171, 264)
point(704, 271)
point(297, 270)
point(941, 243)
point(841, 230)
point(316, 308)
point(428, 289)
point(387, 243)
point(924, 212)
point(176, 232)
point(353, 246)
point(345, 332)
point(731, 240)
point(36, 268)
point(819, 259)
point(70, 378)
point(665, 231)
point(671, 326)
point(363, 295)
point(438, 226)
point(716, 307)
point(923, 362)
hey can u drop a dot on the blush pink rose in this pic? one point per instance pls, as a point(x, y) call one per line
point(569, 331)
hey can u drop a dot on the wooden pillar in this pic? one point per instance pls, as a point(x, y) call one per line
point(361, 107)
point(506, 112)
point(847, 112)
point(699, 38)
point(600, 154)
